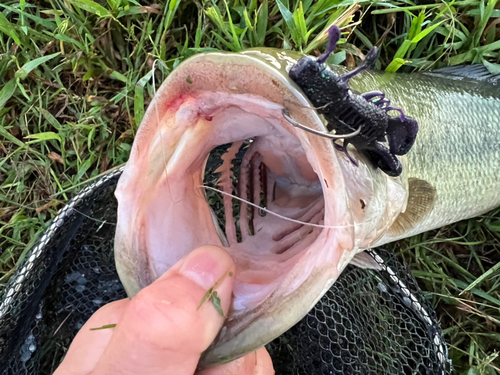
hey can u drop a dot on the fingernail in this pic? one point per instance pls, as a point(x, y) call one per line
point(206, 265)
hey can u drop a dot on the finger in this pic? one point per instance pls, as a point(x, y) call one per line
point(88, 345)
point(165, 328)
point(256, 363)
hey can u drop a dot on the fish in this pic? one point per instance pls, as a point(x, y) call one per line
point(321, 210)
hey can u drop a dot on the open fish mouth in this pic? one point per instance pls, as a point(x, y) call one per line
point(284, 212)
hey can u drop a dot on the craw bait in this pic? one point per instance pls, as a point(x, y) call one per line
point(363, 120)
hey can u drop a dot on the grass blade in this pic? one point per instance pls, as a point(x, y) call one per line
point(92, 7)
point(236, 41)
point(424, 33)
point(261, 21)
point(7, 91)
point(30, 66)
point(287, 16)
point(395, 65)
point(8, 29)
point(45, 136)
point(139, 98)
point(476, 282)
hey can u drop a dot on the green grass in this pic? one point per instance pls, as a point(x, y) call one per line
point(75, 80)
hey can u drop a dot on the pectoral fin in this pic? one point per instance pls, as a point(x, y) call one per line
point(421, 199)
point(365, 260)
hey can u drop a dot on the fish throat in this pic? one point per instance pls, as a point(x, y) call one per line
point(266, 216)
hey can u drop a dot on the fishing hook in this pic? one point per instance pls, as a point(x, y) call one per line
point(286, 115)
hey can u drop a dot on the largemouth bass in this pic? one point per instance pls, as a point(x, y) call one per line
point(322, 210)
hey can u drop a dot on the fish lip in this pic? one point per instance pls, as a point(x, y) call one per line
point(175, 87)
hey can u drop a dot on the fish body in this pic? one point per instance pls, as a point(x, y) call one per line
point(457, 151)
point(323, 210)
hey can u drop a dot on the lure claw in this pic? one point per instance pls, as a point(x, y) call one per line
point(333, 39)
point(369, 62)
point(287, 116)
point(343, 149)
point(371, 95)
point(401, 114)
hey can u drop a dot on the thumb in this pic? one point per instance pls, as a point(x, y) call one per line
point(166, 327)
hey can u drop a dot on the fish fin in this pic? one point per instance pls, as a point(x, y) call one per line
point(478, 72)
point(366, 261)
point(421, 199)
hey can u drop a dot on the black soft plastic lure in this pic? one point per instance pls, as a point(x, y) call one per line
point(362, 118)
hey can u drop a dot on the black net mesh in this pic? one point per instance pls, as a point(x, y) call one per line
point(365, 324)
point(65, 278)
point(369, 322)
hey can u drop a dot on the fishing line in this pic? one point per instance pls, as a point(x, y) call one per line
point(102, 222)
point(275, 213)
point(306, 106)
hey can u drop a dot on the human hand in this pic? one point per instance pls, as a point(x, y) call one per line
point(163, 329)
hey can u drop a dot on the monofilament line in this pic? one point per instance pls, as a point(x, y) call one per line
point(275, 213)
